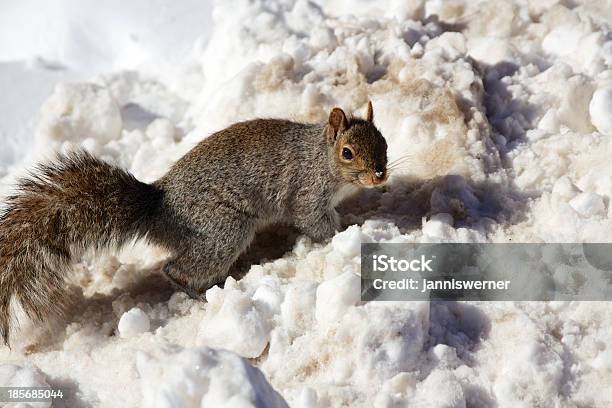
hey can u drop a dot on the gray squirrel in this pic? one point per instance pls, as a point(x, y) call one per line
point(205, 211)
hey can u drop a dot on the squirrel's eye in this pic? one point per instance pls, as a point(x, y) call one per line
point(347, 154)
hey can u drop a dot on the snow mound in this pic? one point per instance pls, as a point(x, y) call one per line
point(23, 376)
point(497, 115)
point(203, 377)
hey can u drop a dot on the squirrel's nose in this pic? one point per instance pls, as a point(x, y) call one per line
point(379, 171)
point(378, 178)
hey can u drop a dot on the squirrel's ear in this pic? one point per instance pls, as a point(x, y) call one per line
point(370, 112)
point(337, 124)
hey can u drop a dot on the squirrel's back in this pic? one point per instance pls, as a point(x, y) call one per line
point(256, 148)
point(258, 165)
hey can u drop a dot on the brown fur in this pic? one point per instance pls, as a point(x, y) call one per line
point(57, 214)
point(205, 210)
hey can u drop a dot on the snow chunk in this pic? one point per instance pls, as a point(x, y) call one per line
point(78, 111)
point(133, 322)
point(234, 321)
point(562, 41)
point(269, 294)
point(453, 44)
point(445, 356)
point(298, 306)
point(336, 295)
point(440, 389)
point(574, 108)
point(603, 361)
point(549, 122)
point(203, 377)
point(23, 376)
point(440, 226)
point(564, 187)
point(588, 204)
point(600, 109)
point(348, 242)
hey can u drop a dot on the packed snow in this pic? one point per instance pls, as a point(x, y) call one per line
point(133, 322)
point(499, 111)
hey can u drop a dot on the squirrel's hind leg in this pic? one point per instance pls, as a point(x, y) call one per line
point(205, 259)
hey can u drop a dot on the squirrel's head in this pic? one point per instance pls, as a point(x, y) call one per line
point(360, 150)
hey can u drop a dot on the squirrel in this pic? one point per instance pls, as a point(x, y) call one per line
point(204, 211)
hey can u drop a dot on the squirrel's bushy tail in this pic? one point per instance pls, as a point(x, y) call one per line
point(67, 206)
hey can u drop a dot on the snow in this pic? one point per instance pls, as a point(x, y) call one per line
point(235, 321)
point(497, 112)
point(81, 109)
point(439, 226)
point(348, 241)
point(23, 376)
point(203, 377)
point(336, 296)
point(588, 204)
point(600, 109)
point(133, 322)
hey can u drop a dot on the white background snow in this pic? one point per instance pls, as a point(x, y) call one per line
point(504, 110)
